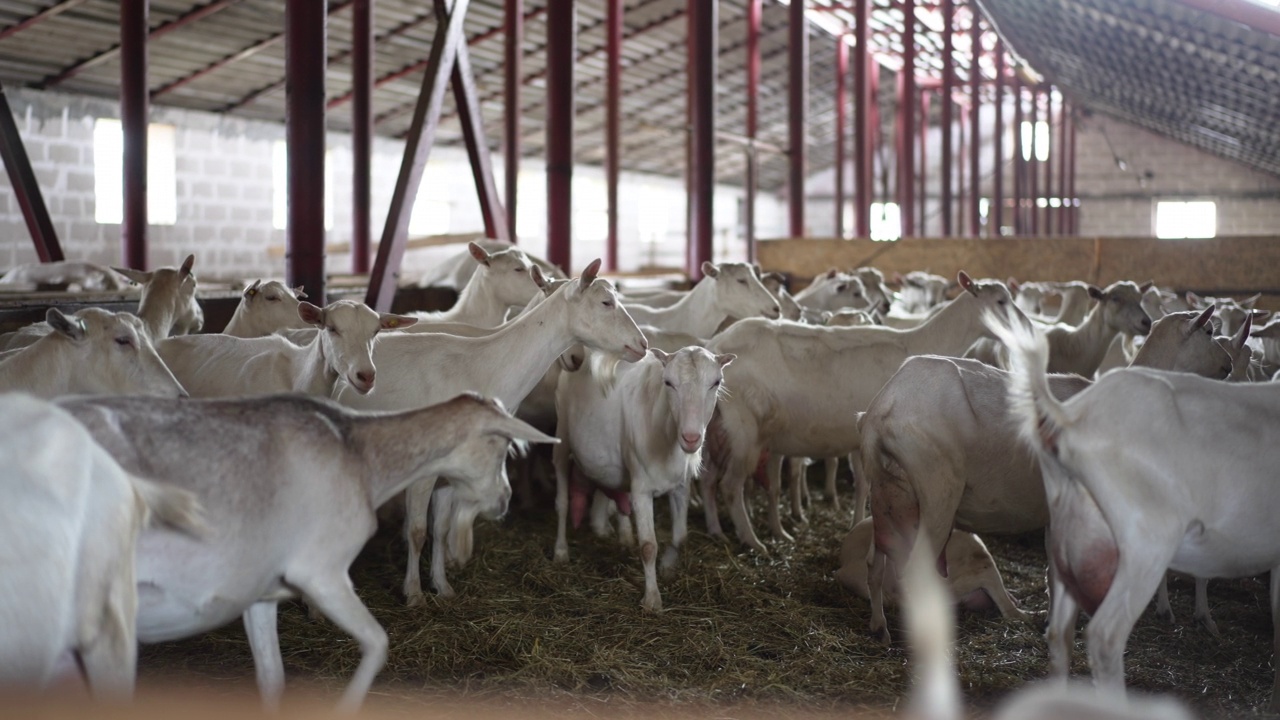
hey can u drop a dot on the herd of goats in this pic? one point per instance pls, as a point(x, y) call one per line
point(1139, 428)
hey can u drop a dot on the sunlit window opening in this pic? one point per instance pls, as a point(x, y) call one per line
point(886, 221)
point(108, 173)
point(432, 213)
point(1041, 141)
point(1193, 219)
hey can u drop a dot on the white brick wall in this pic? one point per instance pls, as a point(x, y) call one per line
point(224, 195)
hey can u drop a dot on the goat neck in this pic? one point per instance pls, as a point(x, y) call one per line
point(695, 313)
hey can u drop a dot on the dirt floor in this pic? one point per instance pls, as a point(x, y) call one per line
point(742, 635)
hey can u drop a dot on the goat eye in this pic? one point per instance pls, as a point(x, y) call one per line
point(519, 269)
point(332, 329)
point(742, 282)
point(273, 299)
point(668, 384)
point(715, 384)
point(124, 341)
point(607, 303)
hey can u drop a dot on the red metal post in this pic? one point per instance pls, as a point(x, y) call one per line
point(418, 143)
point(753, 110)
point(1033, 168)
point(948, 91)
point(514, 53)
point(134, 111)
point(467, 102)
point(906, 112)
point(1047, 220)
point(863, 66)
point(613, 126)
point(1064, 115)
point(562, 41)
point(361, 134)
point(975, 126)
point(26, 189)
point(842, 69)
point(704, 18)
point(1074, 215)
point(997, 144)
point(1019, 163)
point(797, 117)
point(304, 59)
point(962, 182)
point(922, 197)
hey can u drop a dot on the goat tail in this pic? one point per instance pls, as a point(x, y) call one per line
point(1039, 414)
point(172, 506)
point(930, 620)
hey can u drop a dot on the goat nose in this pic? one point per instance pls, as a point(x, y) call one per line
point(691, 438)
point(365, 377)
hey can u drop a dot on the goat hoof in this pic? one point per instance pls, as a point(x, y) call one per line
point(653, 605)
point(881, 635)
point(561, 556)
point(415, 600)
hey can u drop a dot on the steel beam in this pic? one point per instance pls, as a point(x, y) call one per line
point(842, 70)
point(1063, 118)
point(922, 194)
point(134, 112)
point(418, 144)
point(962, 182)
point(864, 136)
point(1033, 165)
point(797, 114)
point(997, 147)
point(562, 48)
point(361, 134)
point(907, 111)
point(1256, 16)
point(26, 188)
point(304, 57)
point(975, 125)
point(471, 118)
point(513, 27)
point(753, 121)
point(1073, 217)
point(948, 91)
point(1046, 218)
point(1019, 164)
point(51, 11)
point(613, 126)
point(705, 21)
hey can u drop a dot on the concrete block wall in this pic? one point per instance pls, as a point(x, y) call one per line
point(224, 190)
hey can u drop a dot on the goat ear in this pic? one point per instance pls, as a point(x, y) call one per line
point(662, 356)
point(71, 326)
point(1242, 335)
point(1144, 287)
point(826, 316)
point(480, 254)
point(710, 269)
point(185, 270)
point(539, 279)
point(1096, 293)
point(589, 272)
point(311, 314)
point(1249, 302)
point(253, 289)
point(517, 429)
point(966, 282)
point(395, 322)
point(832, 273)
point(1204, 318)
point(1013, 284)
point(298, 294)
point(138, 276)
point(1194, 300)
point(755, 267)
point(726, 358)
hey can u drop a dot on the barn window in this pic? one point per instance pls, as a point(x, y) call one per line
point(280, 187)
point(1041, 141)
point(1177, 219)
point(432, 212)
point(108, 173)
point(886, 221)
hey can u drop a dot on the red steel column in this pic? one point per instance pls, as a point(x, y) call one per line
point(704, 18)
point(962, 181)
point(26, 189)
point(1019, 164)
point(305, 21)
point(514, 28)
point(1063, 117)
point(798, 102)
point(562, 41)
point(753, 113)
point(863, 66)
point(975, 105)
point(612, 124)
point(1033, 170)
point(361, 133)
point(1074, 215)
point(135, 104)
point(842, 69)
point(997, 144)
point(906, 111)
point(1047, 220)
point(948, 90)
point(922, 200)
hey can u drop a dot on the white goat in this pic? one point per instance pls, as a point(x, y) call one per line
point(502, 281)
point(94, 351)
point(797, 389)
point(919, 291)
point(641, 433)
point(456, 271)
point(167, 307)
point(226, 366)
point(265, 308)
point(939, 453)
point(775, 283)
point(726, 290)
point(77, 274)
point(417, 369)
point(291, 495)
point(972, 577)
point(834, 290)
point(1125, 464)
point(71, 518)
